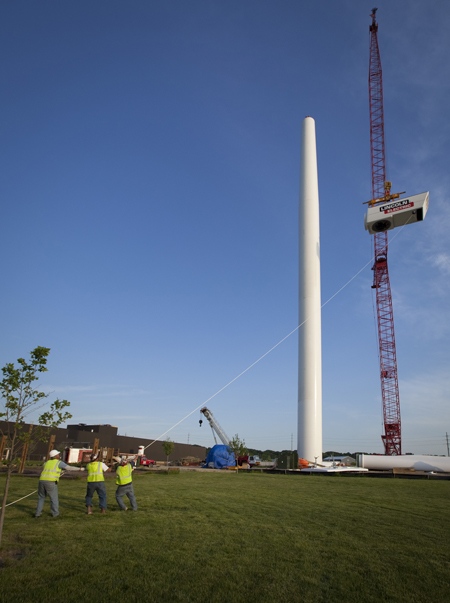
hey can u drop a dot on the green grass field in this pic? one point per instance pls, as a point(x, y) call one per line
point(227, 538)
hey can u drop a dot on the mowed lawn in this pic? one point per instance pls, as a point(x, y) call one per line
point(221, 537)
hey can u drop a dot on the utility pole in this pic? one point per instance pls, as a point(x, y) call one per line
point(448, 451)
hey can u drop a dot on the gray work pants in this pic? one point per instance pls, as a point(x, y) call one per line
point(121, 491)
point(49, 489)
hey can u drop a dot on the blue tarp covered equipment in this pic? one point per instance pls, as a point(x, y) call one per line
point(220, 456)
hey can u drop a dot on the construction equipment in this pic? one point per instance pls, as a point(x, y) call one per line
point(392, 438)
point(143, 461)
point(251, 460)
point(391, 214)
point(384, 213)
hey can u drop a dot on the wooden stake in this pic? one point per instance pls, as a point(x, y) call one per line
point(23, 458)
point(51, 443)
point(2, 447)
point(96, 444)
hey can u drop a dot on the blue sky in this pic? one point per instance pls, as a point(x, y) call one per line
point(150, 174)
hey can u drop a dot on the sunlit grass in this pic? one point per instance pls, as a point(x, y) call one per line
point(222, 537)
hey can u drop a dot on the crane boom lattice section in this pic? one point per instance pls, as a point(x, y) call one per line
point(215, 426)
point(381, 284)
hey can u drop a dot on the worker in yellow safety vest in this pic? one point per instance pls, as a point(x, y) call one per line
point(48, 482)
point(96, 483)
point(124, 483)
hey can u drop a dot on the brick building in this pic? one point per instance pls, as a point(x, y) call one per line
point(83, 436)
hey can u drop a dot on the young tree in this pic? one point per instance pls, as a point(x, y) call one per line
point(20, 398)
point(237, 446)
point(168, 447)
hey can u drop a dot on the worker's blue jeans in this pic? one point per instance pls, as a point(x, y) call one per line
point(100, 488)
point(49, 489)
point(121, 491)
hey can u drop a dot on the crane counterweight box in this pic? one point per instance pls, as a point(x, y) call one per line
point(396, 213)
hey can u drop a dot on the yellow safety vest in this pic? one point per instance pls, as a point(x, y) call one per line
point(123, 473)
point(95, 472)
point(51, 471)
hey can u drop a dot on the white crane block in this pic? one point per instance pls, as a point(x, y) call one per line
point(396, 213)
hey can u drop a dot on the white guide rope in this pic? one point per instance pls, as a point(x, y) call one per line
point(259, 359)
point(252, 365)
point(19, 499)
point(271, 349)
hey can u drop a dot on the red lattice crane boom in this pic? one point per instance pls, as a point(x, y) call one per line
point(392, 439)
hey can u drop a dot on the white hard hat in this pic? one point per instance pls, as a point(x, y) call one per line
point(53, 453)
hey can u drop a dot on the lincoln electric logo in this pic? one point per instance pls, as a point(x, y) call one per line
point(397, 206)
